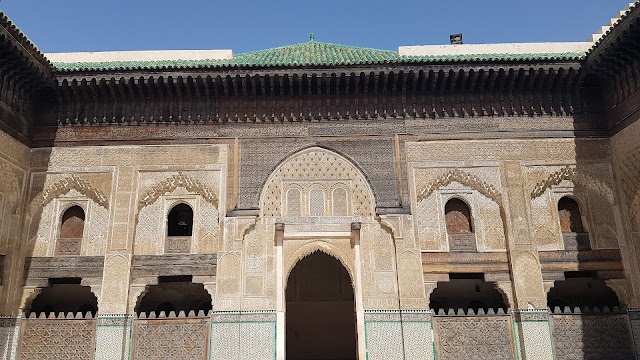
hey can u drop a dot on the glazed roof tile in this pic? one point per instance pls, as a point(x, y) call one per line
point(308, 54)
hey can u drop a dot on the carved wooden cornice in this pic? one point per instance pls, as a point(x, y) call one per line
point(298, 95)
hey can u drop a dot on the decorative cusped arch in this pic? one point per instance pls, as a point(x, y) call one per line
point(464, 178)
point(324, 247)
point(578, 178)
point(316, 164)
point(59, 188)
point(173, 182)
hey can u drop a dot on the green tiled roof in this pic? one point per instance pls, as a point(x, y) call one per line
point(309, 54)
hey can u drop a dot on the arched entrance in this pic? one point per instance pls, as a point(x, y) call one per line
point(320, 313)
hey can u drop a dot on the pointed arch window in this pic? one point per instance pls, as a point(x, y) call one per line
point(459, 224)
point(179, 229)
point(574, 234)
point(71, 231)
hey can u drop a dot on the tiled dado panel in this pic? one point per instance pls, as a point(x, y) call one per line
point(243, 335)
point(399, 335)
point(9, 333)
point(113, 337)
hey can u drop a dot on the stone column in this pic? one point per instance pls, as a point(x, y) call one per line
point(528, 286)
point(280, 300)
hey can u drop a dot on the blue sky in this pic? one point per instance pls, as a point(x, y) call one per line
point(93, 25)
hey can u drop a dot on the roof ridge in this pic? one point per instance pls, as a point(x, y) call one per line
point(21, 38)
point(314, 42)
point(603, 33)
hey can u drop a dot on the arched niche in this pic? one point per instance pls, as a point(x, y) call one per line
point(570, 215)
point(320, 310)
point(174, 293)
point(467, 292)
point(63, 296)
point(580, 289)
point(71, 231)
point(180, 220)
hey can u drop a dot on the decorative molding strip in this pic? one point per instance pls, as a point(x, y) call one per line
point(471, 312)
point(61, 316)
point(240, 317)
point(173, 315)
point(115, 320)
point(586, 310)
point(531, 315)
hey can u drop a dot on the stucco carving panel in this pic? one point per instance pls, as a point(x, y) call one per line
point(114, 289)
point(151, 226)
point(528, 282)
point(229, 276)
point(56, 185)
point(590, 186)
point(377, 254)
point(310, 165)
point(45, 225)
point(486, 182)
point(486, 214)
point(411, 281)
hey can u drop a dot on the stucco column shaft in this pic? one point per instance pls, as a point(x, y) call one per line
point(523, 252)
point(525, 266)
point(280, 305)
point(355, 242)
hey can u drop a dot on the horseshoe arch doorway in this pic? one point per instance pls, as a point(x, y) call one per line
point(320, 312)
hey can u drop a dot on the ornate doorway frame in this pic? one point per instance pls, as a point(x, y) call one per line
point(293, 245)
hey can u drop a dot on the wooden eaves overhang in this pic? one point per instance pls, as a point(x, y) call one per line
point(615, 60)
point(26, 78)
point(316, 81)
